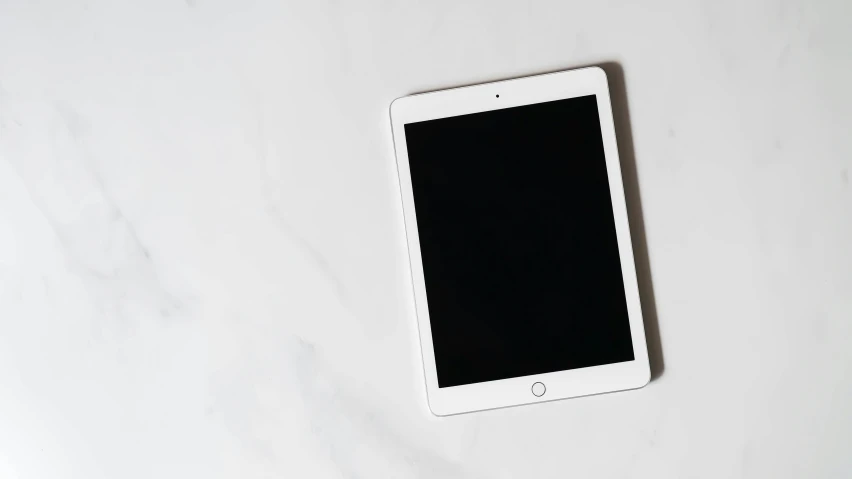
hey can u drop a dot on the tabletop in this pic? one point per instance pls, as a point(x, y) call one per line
point(203, 269)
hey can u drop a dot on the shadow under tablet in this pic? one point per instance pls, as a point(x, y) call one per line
point(624, 138)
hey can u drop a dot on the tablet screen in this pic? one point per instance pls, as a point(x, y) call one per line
point(518, 242)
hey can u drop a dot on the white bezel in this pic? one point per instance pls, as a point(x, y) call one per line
point(562, 384)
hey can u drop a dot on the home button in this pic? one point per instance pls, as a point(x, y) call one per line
point(538, 389)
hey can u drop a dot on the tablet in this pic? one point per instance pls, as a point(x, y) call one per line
point(518, 241)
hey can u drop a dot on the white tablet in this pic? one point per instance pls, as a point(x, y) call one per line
point(518, 240)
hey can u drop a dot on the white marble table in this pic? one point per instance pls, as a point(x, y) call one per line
point(203, 271)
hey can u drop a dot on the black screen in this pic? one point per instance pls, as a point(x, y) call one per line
point(518, 242)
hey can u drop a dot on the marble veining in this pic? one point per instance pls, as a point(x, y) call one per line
point(203, 270)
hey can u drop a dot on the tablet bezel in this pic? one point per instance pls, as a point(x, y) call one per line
point(560, 384)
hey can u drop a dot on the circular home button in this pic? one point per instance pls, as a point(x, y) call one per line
point(538, 389)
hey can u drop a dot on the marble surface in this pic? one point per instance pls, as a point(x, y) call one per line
point(203, 270)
